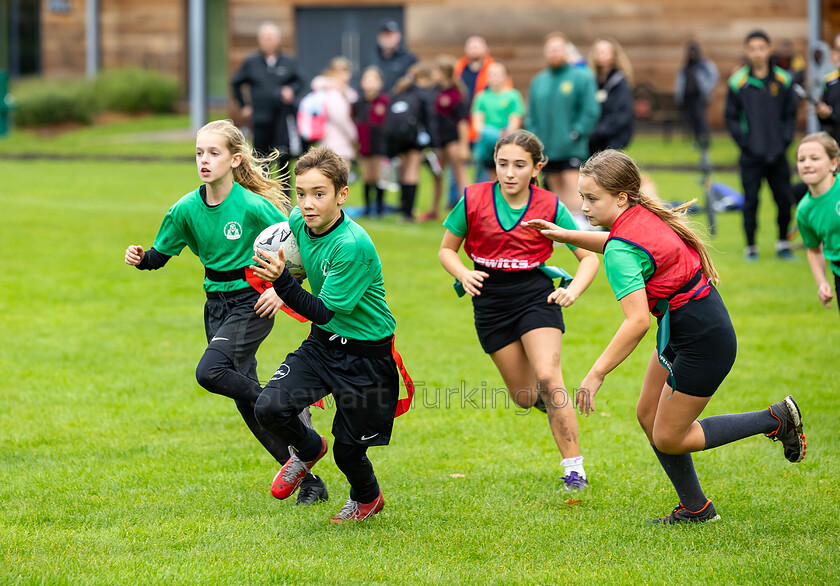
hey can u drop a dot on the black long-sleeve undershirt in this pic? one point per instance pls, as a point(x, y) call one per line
point(302, 301)
point(153, 260)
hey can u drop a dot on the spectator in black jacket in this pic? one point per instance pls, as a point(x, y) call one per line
point(828, 109)
point(273, 85)
point(391, 56)
point(761, 117)
point(614, 75)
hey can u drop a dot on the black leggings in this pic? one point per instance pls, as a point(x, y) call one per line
point(353, 462)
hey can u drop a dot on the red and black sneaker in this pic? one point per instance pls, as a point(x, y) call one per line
point(292, 472)
point(682, 515)
point(789, 432)
point(356, 511)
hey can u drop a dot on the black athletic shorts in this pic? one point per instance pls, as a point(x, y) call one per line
point(362, 377)
point(511, 304)
point(702, 346)
point(234, 328)
point(837, 289)
point(562, 165)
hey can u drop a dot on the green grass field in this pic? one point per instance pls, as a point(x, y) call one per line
point(117, 468)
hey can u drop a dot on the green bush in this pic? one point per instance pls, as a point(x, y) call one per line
point(46, 102)
point(43, 102)
point(137, 90)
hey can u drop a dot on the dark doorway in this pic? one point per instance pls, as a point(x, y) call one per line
point(20, 40)
point(324, 33)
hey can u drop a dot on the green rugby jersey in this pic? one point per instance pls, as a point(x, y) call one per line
point(221, 236)
point(345, 272)
point(819, 222)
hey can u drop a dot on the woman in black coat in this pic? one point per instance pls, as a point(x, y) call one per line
point(615, 77)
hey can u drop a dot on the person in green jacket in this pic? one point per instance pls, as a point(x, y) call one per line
point(563, 112)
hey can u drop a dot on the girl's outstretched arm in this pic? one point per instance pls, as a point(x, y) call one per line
point(585, 273)
point(634, 327)
point(594, 241)
point(448, 256)
point(817, 262)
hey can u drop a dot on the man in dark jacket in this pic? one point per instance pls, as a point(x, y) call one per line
point(273, 85)
point(390, 56)
point(829, 107)
point(761, 117)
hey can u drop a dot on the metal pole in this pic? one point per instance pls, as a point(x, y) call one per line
point(92, 38)
point(812, 124)
point(198, 63)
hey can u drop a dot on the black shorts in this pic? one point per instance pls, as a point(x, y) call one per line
point(396, 146)
point(234, 328)
point(511, 304)
point(562, 165)
point(702, 346)
point(837, 289)
point(365, 388)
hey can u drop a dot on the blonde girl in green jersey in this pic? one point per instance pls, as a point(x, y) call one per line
point(219, 222)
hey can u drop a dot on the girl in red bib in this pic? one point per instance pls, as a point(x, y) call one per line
point(518, 312)
point(656, 264)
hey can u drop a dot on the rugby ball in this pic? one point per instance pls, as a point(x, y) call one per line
point(279, 237)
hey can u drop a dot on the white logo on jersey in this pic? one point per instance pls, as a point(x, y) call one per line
point(369, 437)
point(233, 231)
point(284, 370)
point(837, 209)
point(325, 267)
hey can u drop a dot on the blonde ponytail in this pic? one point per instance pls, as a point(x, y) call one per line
point(254, 173)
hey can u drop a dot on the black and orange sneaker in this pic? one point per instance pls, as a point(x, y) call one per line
point(356, 511)
point(682, 515)
point(789, 432)
point(293, 472)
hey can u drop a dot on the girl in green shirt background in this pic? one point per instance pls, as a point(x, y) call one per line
point(818, 214)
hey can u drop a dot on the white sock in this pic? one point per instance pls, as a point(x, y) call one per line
point(782, 245)
point(573, 465)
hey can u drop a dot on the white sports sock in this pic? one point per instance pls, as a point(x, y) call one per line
point(573, 465)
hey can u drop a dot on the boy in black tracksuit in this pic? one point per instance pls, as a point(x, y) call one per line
point(761, 117)
point(274, 85)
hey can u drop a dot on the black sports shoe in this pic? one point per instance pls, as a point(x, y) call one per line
point(789, 431)
point(312, 492)
point(540, 404)
point(682, 515)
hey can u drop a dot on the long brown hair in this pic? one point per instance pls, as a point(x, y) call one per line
point(528, 141)
point(617, 173)
point(254, 173)
point(622, 63)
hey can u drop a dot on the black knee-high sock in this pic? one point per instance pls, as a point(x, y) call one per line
point(681, 473)
point(369, 192)
point(380, 200)
point(409, 194)
point(725, 429)
point(354, 464)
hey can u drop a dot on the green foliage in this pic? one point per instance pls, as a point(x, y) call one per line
point(137, 90)
point(48, 102)
point(45, 102)
point(118, 469)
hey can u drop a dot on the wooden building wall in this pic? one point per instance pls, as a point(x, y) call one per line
point(653, 32)
point(149, 33)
